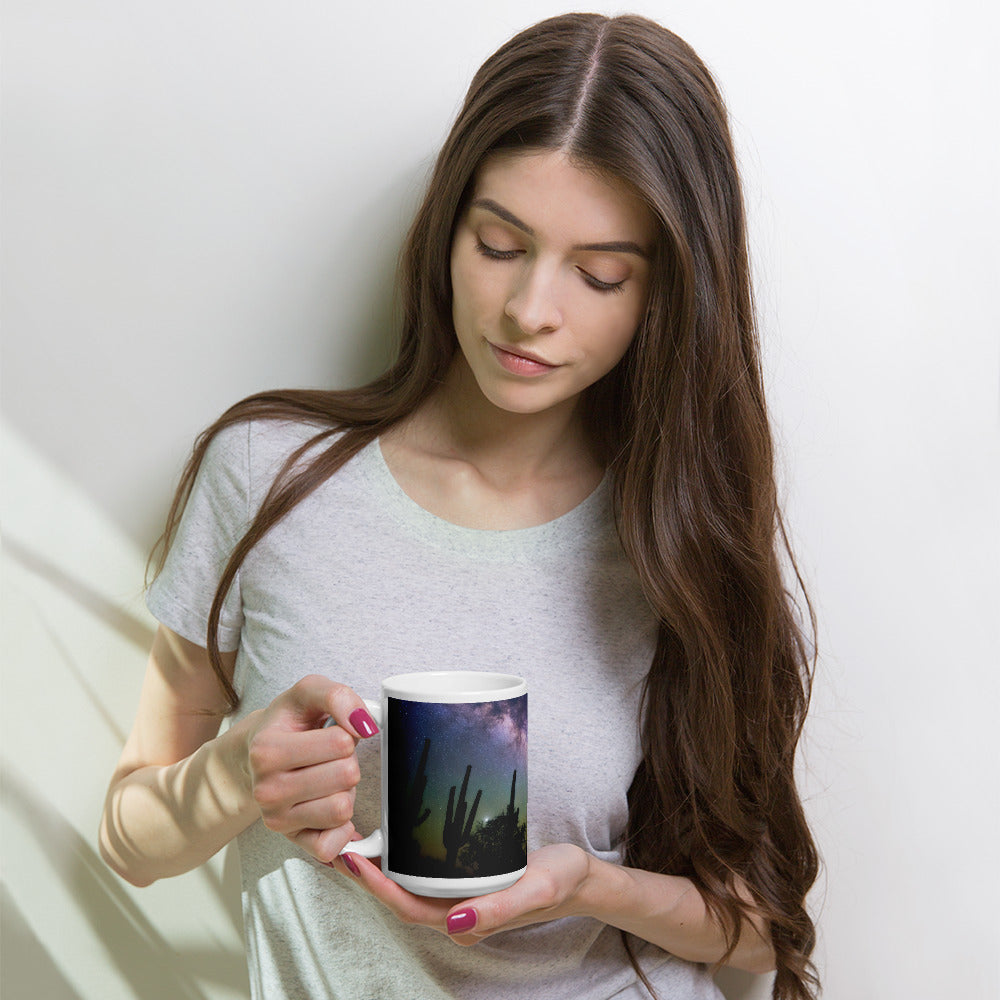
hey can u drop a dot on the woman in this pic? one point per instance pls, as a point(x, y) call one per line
point(567, 472)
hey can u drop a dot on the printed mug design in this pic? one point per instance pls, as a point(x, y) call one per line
point(458, 787)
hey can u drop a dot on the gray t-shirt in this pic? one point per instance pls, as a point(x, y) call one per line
point(357, 583)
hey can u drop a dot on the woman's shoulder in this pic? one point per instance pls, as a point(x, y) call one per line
point(254, 450)
point(273, 438)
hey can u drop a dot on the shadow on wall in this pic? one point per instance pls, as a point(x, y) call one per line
point(109, 614)
point(19, 940)
point(75, 640)
point(144, 960)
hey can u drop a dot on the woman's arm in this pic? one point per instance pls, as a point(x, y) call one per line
point(564, 881)
point(669, 911)
point(181, 791)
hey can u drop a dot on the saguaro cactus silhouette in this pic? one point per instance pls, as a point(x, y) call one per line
point(510, 814)
point(414, 796)
point(499, 845)
point(457, 829)
point(406, 812)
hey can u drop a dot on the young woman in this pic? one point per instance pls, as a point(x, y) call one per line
point(566, 474)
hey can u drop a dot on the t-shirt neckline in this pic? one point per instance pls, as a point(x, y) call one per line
point(581, 526)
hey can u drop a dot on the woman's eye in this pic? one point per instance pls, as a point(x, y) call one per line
point(601, 286)
point(493, 252)
point(496, 254)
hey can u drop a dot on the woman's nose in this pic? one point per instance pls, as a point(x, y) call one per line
point(533, 303)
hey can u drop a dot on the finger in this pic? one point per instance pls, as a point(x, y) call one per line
point(346, 864)
point(314, 698)
point(281, 790)
point(326, 813)
point(462, 923)
point(324, 845)
point(273, 751)
point(525, 902)
point(409, 908)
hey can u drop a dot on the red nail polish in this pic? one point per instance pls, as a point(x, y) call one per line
point(363, 723)
point(352, 865)
point(463, 920)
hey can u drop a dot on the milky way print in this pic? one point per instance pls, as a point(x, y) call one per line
point(457, 787)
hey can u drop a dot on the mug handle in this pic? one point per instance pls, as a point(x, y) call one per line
point(372, 846)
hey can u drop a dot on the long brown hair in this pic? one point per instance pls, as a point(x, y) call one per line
point(684, 429)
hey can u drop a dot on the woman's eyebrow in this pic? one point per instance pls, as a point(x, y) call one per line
point(491, 206)
point(612, 246)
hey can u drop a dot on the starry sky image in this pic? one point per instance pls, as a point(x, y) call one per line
point(488, 737)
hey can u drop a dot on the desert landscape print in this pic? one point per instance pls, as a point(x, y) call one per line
point(458, 787)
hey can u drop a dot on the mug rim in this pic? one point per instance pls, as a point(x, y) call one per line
point(454, 686)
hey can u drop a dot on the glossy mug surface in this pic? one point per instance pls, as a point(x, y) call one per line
point(454, 782)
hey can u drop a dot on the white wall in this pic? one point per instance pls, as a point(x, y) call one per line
point(205, 199)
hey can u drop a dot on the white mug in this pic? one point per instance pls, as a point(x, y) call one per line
point(454, 782)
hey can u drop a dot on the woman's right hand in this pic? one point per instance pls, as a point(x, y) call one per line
point(303, 776)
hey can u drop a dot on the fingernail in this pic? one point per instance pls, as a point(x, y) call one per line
point(363, 723)
point(464, 920)
point(352, 865)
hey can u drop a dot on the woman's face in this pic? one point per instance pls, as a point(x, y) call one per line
point(550, 272)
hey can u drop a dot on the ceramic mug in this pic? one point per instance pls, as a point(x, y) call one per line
point(454, 782)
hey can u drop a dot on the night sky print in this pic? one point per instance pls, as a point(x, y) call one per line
point(457, 787)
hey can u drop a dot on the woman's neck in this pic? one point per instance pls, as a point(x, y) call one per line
point(506, 446)
point(470, 462)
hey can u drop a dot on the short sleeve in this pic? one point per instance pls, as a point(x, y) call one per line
point(215, 518)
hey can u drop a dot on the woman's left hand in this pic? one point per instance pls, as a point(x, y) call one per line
point(548, 890)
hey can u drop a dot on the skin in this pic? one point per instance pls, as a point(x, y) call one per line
point(527, 277)
point(501, 444)
point(496, 449)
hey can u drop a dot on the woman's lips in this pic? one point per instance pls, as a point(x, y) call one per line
point(521, 364)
